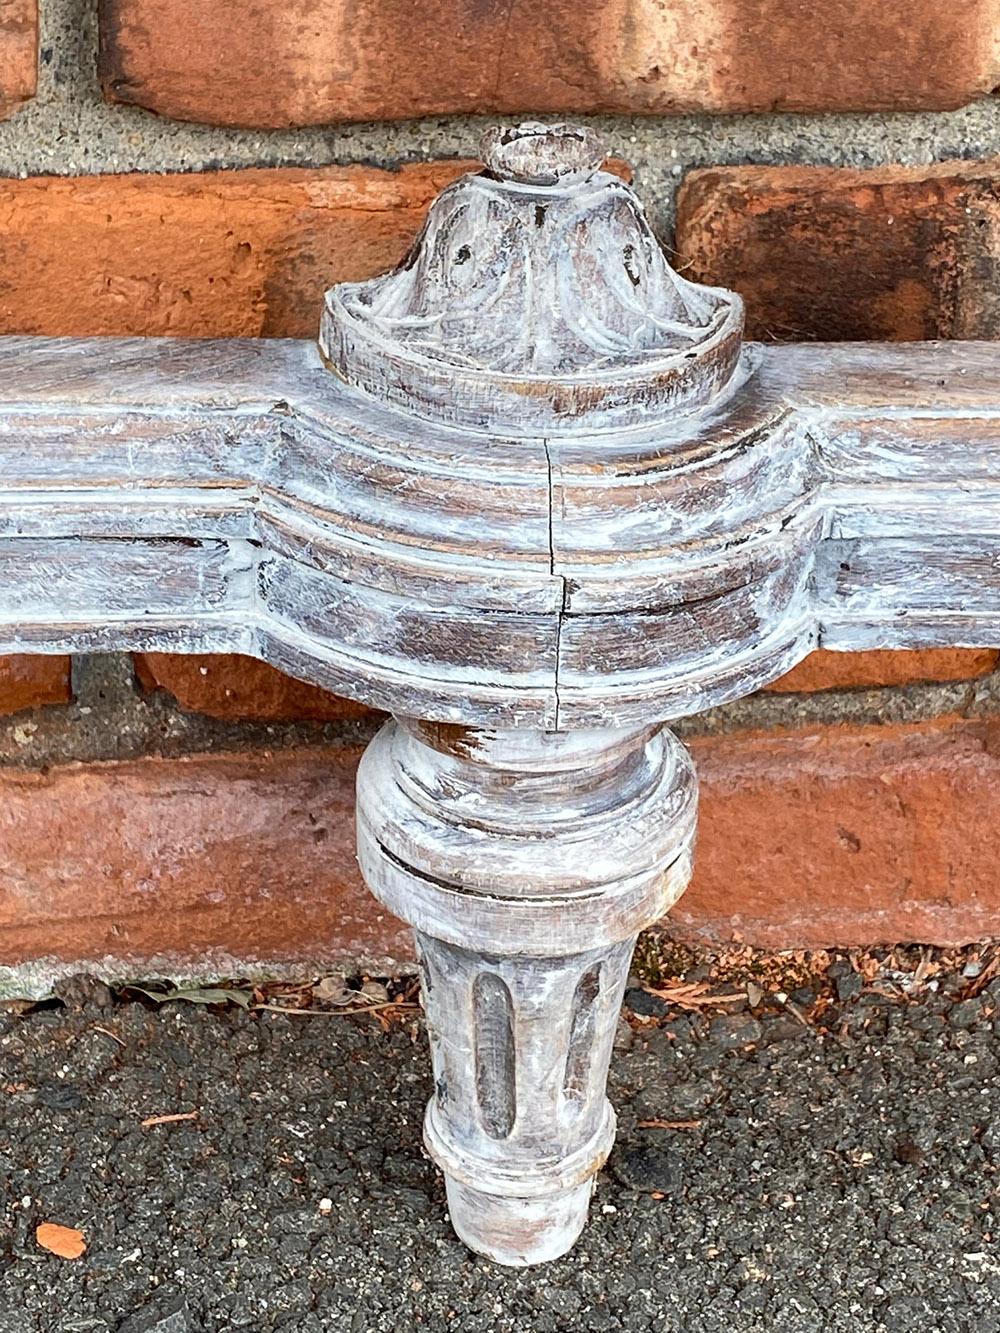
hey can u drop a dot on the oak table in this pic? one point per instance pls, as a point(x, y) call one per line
point(534, 496)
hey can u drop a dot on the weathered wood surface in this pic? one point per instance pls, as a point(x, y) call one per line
point(527, 863)
point(508, 313)
point(237, 491)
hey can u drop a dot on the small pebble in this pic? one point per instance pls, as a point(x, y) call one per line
point(849, 985)
point(909, 1153)
point(624, 1036)
point(82, 993)
point(375, 993)
point(783, 1029)
point(164, 1317)
point(646, 1005)
point(965, 1014)
point(648, 1166)
point(731, 1031)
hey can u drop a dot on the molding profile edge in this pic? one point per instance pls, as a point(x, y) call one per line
point(234, 496)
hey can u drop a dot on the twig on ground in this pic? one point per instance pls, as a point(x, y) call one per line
point(334, 1013)
point(797, 1013)
point(169, 1119)
point(108, 1033)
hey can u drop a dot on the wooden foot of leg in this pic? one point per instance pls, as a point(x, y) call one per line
point(526, 863)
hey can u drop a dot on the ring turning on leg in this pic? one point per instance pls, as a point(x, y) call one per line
point(527, 863)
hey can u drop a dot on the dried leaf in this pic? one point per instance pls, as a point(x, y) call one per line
point(66, 1242)
point(657, 1123)
point(695, 995)
point(374, 992)
point(979, 983)
point(199, 995)
point(332, 990)
point(923, 969)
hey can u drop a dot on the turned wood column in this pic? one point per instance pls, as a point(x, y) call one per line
point(526, 862)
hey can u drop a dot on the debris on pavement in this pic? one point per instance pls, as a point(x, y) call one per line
point(66, 1242)
point(787, 1160)
point(811, 986)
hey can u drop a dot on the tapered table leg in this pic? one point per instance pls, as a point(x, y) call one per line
point(527, 863)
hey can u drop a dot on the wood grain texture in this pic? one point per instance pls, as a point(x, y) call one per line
point(545, 487)
point(235, 496)
point(526, 864)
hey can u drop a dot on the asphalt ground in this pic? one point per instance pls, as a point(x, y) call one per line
point(820, 1160)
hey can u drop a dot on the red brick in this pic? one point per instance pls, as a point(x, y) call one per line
point(32, 682)
point(240, 688)
point(18, 53)
point(299, 63)
point(188, 861)
point(832, 836)
point(843, 836)
point(895, 253)
point(851, 671)
point(200, 255)
point(819, 253)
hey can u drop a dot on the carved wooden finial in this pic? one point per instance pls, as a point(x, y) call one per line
point(536, 300)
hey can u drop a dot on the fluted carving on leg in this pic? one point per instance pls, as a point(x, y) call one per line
point(527, 863)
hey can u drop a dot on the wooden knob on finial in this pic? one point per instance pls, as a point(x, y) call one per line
point(537, 154)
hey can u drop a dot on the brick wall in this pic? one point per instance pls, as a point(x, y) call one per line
point(195, 167)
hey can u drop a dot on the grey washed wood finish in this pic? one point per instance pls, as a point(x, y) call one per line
point(235, 496)
point(527, 862)
point(533, 496)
